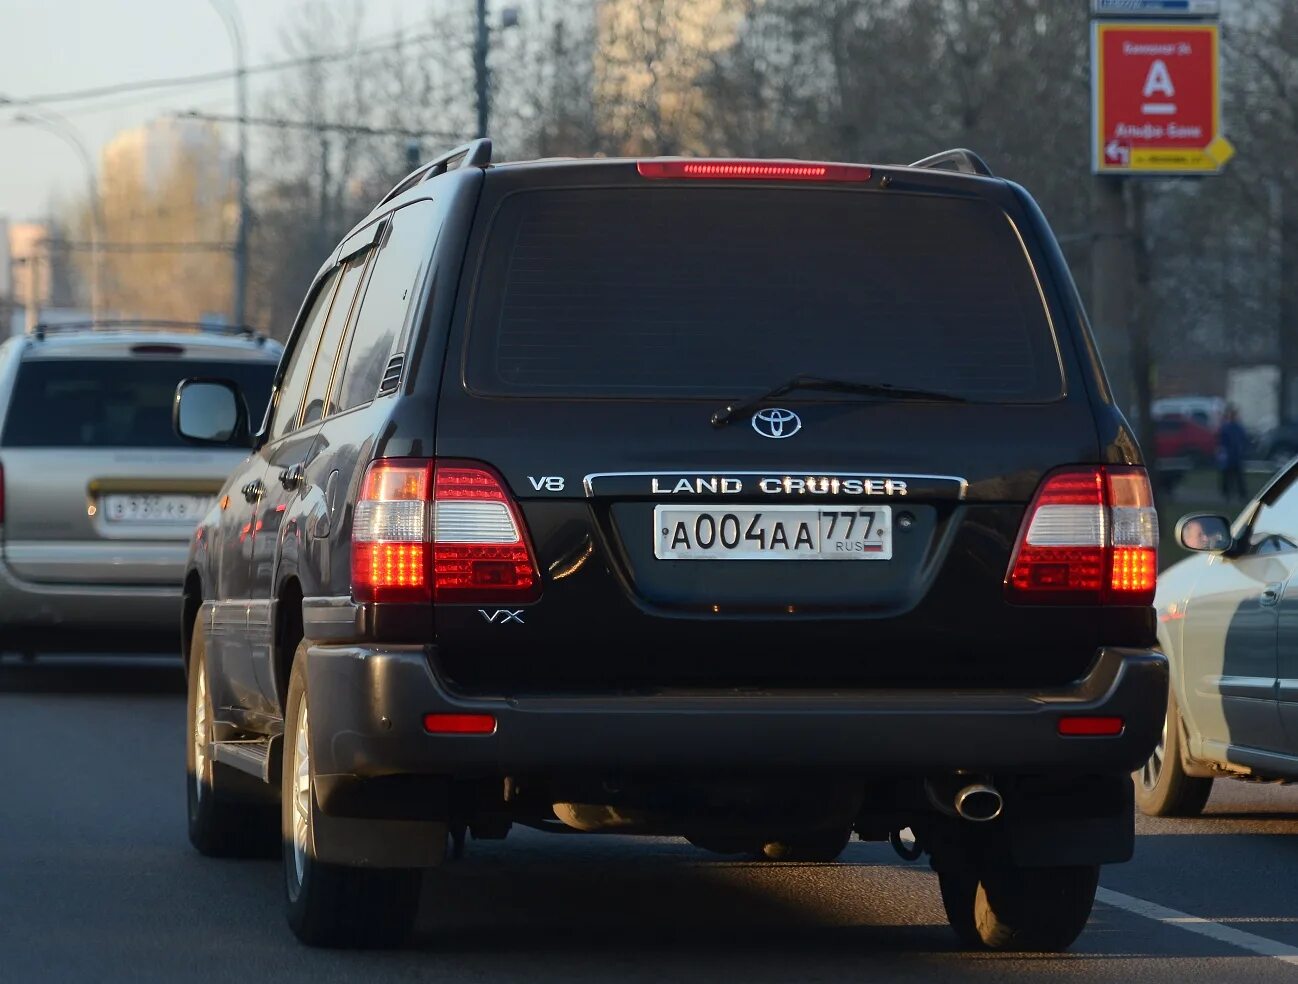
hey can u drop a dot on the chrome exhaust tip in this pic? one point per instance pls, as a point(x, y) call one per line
point(979, 802)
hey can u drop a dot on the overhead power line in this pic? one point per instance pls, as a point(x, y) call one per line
point(204, 78)
point(319, 127)
point(143, 99)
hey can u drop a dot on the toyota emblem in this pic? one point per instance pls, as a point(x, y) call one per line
point(776, 422)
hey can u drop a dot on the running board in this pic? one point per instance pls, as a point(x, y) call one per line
point(254, 756)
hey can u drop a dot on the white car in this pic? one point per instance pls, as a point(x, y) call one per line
point(1228, 623)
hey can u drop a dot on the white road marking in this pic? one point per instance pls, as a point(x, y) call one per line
point(1204, 927)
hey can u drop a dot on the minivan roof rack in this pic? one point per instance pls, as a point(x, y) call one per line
point(127, 324)
point(956, 159)
point(475, 153)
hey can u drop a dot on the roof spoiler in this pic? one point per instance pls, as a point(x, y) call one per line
point(129, 324)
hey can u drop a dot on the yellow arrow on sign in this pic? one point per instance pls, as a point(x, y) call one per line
point(1186, 160)
point(1220, 150)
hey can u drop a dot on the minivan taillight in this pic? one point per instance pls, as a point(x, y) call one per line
point(1090, 537)
point(444, 531)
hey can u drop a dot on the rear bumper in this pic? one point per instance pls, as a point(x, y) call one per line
point(368, 704)
point(87, 617)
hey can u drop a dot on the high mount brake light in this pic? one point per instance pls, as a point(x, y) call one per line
point(1090, 537)
point(741, 170)
point(443, 531)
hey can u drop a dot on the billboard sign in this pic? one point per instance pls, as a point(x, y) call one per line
point(1156, 98)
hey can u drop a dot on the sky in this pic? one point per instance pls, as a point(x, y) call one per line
point(55, 46)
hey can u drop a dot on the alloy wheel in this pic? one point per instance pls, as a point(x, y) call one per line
point(1152, 770)
point(200, 736)
point(301, 792)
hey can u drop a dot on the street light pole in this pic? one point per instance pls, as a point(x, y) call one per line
point(229, 15)
point(53, 123)
point(482, 40)
point(481, 49)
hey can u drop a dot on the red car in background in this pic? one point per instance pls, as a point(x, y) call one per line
point(1184, 437)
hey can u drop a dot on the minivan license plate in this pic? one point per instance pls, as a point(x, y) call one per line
point(145, 508)
point(773, 533)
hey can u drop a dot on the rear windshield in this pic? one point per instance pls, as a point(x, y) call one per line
point(720, 291)
point(116, 403)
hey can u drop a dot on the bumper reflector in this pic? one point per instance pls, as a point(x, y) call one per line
point(460, 724)
point(1091, 727)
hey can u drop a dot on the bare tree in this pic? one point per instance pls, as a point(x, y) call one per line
point(543, 81)
point(320, 182)
point(868, 80)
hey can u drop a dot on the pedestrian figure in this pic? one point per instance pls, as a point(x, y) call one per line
point(1232, 442)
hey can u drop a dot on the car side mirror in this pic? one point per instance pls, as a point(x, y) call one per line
point(211, 411)
point(1204, 533)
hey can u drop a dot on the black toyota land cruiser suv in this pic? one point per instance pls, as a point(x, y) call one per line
point(761, 503)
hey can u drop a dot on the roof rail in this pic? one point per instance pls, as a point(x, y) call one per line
point(957, 159)
point(127, 324)
point(475, 153)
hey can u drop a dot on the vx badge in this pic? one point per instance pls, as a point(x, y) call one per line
point(502, 615)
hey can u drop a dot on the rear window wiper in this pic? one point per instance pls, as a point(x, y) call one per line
point(802, 381)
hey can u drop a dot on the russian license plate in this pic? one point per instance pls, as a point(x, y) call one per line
point(773, 533)
point(161, 508)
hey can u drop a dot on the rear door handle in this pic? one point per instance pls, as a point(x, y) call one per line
point(1271, 594)
point(292, 476)
point(253, 490)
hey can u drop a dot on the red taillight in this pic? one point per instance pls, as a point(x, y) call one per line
point(740, 170)
point(391, 555)
point(460, 724)
point(442, 531)
point(480, 549)
point(1089, 537)
point(1091, 727)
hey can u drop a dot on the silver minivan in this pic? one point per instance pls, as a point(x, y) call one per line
point(98, 497)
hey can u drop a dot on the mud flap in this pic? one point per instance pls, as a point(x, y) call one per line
point(365, 843)
point(1092, 822)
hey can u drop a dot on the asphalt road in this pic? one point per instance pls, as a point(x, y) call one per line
point(98, 883)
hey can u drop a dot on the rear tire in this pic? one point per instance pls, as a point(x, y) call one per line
point(229, 815)
point(958, 890)
point(332, 905)
point(1028, 909)
point(1162, 787)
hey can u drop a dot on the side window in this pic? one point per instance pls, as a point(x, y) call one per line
point(389, 296)
point(299, 362)
point(333, 333)
point(1275, 527)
